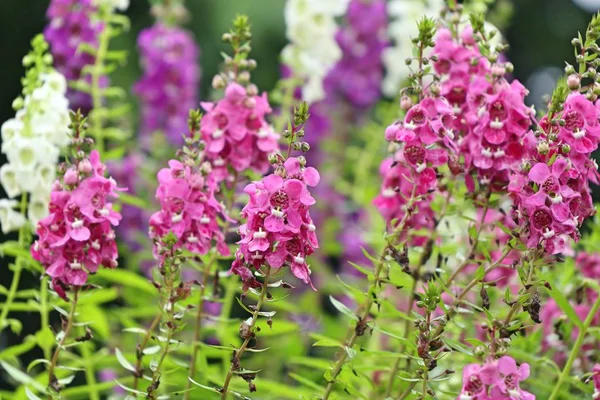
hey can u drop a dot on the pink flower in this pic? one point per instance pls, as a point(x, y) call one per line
point(236, 132)
point(279, 230)
point(77, 236)
point(581, 129)
point(189, 210)
point(495, 380)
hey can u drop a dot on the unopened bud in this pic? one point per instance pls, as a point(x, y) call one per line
point(71, 177)
point(85, 166)
point(252, 90)
point(435, 89)
point(566, 149)
point(244, 77)
point(569, 69)
point(302, 160)
point(498, 70)
point(218, 82)
point(542, 147)
point(526, 166)
point(573, 82)
point(226, 37)
point(304, 147)
point(272, 158)
point(249, 102)
point(405, 103)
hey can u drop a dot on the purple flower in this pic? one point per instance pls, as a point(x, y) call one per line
point(71, 25)
point(168, 88)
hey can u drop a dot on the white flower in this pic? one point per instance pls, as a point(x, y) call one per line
point(404, 15)
point(10, 220)
point(32, 142)
point(8, 179)
point(313, 50)
point(38, 208)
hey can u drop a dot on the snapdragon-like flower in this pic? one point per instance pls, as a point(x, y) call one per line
point(491, 116)
point(32, 142)
point(313, 50)
point(401, 30)
point(77, 237)
point(72, 25)
point(495, 380)
point(356, 77)
point(396, 189)
point(169, 85)
point(551, 193)
point(279, 230)
point(189, 210)
point(236, 132)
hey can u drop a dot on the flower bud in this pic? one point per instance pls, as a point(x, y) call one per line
point(302, 160)
point(244, 77)
point(405, 103)
point(252, 90)
point(498, 70)
point(85, 166)
point(526, 166)
point(218, 82)
point(71, 177)
point(566, 149)
point(573, 82)
point(435, 89)
point(304, 147)
point(542, 147)
point(249, 102)
point(227, 37)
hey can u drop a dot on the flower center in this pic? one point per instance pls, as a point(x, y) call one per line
point(497, 111)
point(573, 121)
point(414, 154)
point(280, 199)
point(541, 218)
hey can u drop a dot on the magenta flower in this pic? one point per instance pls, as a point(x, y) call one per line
point(495, 380)
point(170, 84)
point(279, 230)
point(77, 237)
point(596, 380)
point(72, 24)
point(582, 129)
point(189, 210)
point(236, 132)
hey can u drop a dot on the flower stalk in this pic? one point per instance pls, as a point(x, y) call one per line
point(248, 331)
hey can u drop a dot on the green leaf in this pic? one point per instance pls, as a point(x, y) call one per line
point(126, 278)
point(306, 382)
point(16, 350)
point(458, 346)
point(341, 307)
point(565, 306)
point(30, 395)
point(132, 200)
point(21, 376)
point(123, 361)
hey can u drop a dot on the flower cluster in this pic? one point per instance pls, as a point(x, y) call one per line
point(279, 230)
point(71, 25)
point(551, 192)
point(491, 116)
point(236, 132)
point(189, 210)
point(313, 50)
point(357, 76)
point(424, 141)
point(169, 85)
point(495, 380)
point(77, 237)
point(401, 30)
point(32, 142)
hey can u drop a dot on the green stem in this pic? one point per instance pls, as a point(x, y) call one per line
point(18, 268)
point(54, 361)
point(240, 352)
point(44, 312)
point(138, 365)
point(198, 325)
point(230, 291)
point(366, 307)
point(575, 351)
